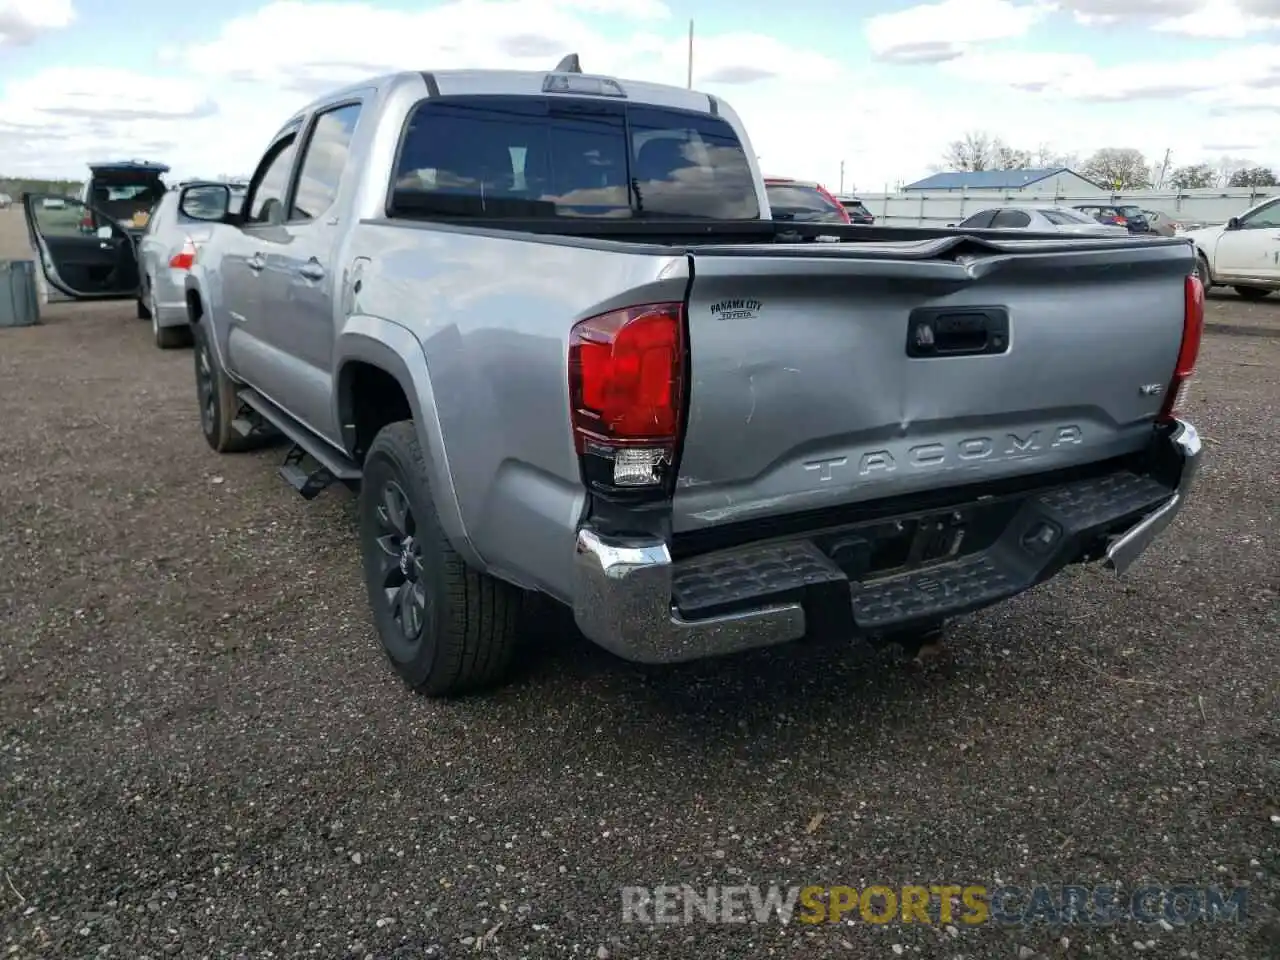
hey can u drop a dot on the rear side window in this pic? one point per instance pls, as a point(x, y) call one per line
point(1062, 218)
point(324, 161)
point(979, 221)
point(1011, 218)
point(790, 201)
point(493, 157)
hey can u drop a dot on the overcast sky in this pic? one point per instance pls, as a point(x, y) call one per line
point(882, 85)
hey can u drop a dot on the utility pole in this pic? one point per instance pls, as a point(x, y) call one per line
point(689, 81)
point(1164, 167)
point(841, 176)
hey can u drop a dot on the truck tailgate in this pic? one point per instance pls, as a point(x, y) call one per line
point(841, 374)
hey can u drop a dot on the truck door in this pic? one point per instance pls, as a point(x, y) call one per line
point(245, 282)
point(300, 279)
point(1251, 251)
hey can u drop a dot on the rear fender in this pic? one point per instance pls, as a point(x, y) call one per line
point(394, 349)
point(194, 284)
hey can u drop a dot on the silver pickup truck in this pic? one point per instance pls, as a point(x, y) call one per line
point(546, 327)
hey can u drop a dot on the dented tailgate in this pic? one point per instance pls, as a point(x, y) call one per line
point(846, 375)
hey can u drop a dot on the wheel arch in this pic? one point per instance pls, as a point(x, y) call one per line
point(381, 374)
point(1202, 254)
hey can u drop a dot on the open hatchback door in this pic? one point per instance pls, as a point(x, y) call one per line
point(83, 252)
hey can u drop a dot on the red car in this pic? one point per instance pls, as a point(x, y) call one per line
point(804, 200)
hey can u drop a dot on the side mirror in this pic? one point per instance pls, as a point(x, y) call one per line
point(1233, 223)
point(206, 201)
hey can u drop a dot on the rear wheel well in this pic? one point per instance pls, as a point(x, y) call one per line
point(370, 398)
point(195, 309)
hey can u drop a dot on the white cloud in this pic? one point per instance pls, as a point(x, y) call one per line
point(936, 32)
point(254, 82)
point(1210, 19)
point(21, 21)
point(1221, 20)
point(1242, 76)
point(217, 102)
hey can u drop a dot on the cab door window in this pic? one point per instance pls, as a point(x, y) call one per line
point(266, 196)
point(323, 162)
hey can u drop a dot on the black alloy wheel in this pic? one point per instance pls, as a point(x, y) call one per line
point(401, 575)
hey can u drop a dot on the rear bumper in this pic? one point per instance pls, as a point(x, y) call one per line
point(633, 599)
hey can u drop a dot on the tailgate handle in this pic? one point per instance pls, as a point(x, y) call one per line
point(957, 331)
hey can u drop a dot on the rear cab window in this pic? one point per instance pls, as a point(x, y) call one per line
point(798, 201)
point(494, 157)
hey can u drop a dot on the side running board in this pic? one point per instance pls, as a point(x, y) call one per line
point(311, 465)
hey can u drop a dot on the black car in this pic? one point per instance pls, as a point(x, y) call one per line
point(1127, 215)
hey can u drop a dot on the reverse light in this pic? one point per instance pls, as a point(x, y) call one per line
point(626, 388)
point(1188, 351)
point(185, 258)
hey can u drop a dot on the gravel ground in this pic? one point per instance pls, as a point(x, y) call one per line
point(203, 753)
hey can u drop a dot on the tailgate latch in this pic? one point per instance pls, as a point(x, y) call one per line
point(957, 332)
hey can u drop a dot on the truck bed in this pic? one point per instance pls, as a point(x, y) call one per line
point(677, 235)
point(805, 395)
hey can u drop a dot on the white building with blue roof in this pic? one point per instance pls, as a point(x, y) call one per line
point(1060, 181)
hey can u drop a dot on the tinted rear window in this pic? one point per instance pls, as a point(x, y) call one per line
point(799, 202)
point(492, 157)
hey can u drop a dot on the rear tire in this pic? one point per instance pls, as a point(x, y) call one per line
point(216, 396)
point(1202, 271)
point(447, 629)
point(167, 338)
point(1253, 293)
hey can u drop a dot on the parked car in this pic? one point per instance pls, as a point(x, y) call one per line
point(166, 250)
point(1045, 219)
point(578, 360)
point(124, 191)
point(53, 203)
point(858, 213)
point(1127, 215)
point(1241, 253)
point(1163, 224)
point(803, 200)
point(6, 201)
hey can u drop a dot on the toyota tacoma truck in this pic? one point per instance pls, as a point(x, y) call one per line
point(545, 326)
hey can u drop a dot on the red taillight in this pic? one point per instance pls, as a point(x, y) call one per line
point(626, 388)
point(1121, 221)
point(184, 258)
point(86, 222)
point(844, 214)
point(1188, 352)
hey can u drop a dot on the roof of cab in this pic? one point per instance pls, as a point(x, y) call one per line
point(517, 83)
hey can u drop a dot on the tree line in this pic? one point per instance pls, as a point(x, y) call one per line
point(17, 186)
point(1116, 168)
